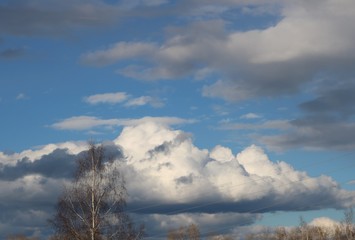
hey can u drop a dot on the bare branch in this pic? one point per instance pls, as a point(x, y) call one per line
point(92, 207)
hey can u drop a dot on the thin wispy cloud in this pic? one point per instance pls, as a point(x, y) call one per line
point(144, 100)
point(125, 99)
point(12, 53)
point(21, 96)
point(270, 124)
point(117, 52)
point(250, 116)
point(81, 123)
point(111, 98)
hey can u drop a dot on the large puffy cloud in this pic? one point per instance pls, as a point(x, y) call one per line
point(180, 175)
point(170, 180)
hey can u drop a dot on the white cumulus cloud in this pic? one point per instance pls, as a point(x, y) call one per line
point(176, 171)
point(170, 180)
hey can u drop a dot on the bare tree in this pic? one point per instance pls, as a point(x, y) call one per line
point(190, 232)
point(92, 207)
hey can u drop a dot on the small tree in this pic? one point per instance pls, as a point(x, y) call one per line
point(348, 224)
point(91, 208)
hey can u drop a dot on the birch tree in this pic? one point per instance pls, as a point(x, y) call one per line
point(92, 207)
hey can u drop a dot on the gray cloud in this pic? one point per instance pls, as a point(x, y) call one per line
point(185, 179)
point(12, 53)
point(338, 101)
point(325, 122)
point(30, 187)
point(310, 44)
point(314, 135)
point(58, 164)
point(308, 40)
point(25, 220)
point(52, 17)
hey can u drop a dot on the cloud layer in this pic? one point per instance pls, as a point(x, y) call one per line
point(279, 59)
point(170, 180)
point(306, 48)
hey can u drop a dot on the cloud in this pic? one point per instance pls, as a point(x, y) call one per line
point(169, 179)
point(160, 224)
point(324, 222)
point(55, 165)
point(270, 124)
point(117, 52)
point(89, 122)
point(326, 122)
point(38, 152)
point(335, 102)
point(53, 17)
point(227, 90)
point(181, 176)
point(312, 135)
point(122, 97)
point(111, 98)
point(12, 53)
point(21, 96)
point(84, 123)
point(250, 116)
point(145, 100)
point(216, 9)
point(129, 4)
point(308, 40)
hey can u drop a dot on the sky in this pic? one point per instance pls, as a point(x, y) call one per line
point(232, 114)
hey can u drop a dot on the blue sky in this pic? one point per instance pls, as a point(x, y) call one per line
point(221, 84)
